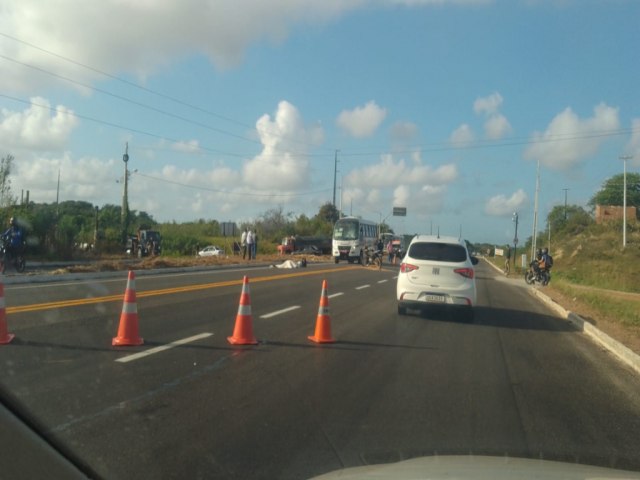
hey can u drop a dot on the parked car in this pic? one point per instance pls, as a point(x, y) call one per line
point(437, 271)
point(211, 251)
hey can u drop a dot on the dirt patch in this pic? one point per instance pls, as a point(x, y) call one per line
point(151, 263)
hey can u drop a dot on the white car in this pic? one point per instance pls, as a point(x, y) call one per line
point(437, 271)
point(211, 251)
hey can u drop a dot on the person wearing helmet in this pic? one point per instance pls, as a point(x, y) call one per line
point(547, 261)
point(13, 240)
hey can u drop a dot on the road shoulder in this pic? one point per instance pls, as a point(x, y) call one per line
point(614, 337)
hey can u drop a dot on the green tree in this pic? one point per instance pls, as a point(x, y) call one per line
point(6, 197)
point(572, 220)
point(273, 224)
point(612, 190)
point(328, 213)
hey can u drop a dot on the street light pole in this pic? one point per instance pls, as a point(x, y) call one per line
point(125, 199)
point(515, 239)
point(335, 173)
point(535, 213)
point(565, 203)
point(624, 159)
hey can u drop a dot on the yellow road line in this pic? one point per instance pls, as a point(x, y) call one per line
point(164, 291)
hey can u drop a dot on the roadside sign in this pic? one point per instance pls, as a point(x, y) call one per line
point(399, 211)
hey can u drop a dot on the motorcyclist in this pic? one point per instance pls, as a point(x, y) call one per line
point(545, 265)
point(537, 263)
point(13, 240)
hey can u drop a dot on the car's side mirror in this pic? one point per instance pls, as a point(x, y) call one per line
point(474, 260)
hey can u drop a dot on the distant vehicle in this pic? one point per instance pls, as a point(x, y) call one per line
point(294, 243)
point(351, 235)
point(211, 251)
point(146, 242)
point(397, 243)
point(437, 271)
point(308, 250)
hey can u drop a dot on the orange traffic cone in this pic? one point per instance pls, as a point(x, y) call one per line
point(243, 331)
point(5, 337)
point(323, 322)
point(128, 329)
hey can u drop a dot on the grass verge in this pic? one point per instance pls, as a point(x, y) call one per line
point(615, 308)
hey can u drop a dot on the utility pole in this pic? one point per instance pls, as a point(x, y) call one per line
point(58, 196)
point(535, 213)
point(515, 239)
point(335, 173)
point(125, 198)
point(624, 159)
point(565, 203)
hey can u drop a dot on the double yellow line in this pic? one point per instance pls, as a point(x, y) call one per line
point(163, 291)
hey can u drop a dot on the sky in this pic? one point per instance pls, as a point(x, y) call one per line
point(232, 108)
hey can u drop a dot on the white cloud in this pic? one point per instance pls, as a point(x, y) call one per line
point(390, 173)
point(633, 147)
point(402, 132)
point(502, 206)
point(401, 196)
point(419, 186)
point(488, 105)
point(37, 127)
point(462, 136)
point(362, 122)
point(86, 178)
point(497, 126)
point(188, 146)
point(282, 164)
point(143, 36)
point(569, 140)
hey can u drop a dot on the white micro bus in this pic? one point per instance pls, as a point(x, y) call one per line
point(350, 237)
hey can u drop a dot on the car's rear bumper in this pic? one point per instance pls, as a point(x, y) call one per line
point(421, 298)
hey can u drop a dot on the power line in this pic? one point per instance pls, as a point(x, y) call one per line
point(125, 99)
point(228, 192)
point(111, 124)
point(518, 141)
point(137, 86)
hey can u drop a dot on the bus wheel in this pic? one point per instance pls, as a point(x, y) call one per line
point(336, 259)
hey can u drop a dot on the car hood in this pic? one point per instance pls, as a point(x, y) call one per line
point(478, 468)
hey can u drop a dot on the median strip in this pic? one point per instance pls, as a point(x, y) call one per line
point(162, 348)
point(164, 291)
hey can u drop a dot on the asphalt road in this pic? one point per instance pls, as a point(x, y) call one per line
point(518, 381)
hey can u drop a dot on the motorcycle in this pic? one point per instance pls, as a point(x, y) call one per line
point(15, 259)
point(537, 275)
point(373, 257)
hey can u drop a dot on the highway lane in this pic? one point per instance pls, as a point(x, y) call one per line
point(518, 381)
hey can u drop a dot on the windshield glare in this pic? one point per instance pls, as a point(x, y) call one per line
point(346, 230)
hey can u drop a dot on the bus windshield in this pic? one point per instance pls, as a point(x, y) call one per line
point(346, 230)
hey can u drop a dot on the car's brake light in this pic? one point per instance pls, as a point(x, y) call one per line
point(465, 272)
point(407, 267)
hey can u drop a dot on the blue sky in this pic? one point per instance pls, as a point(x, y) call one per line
point(232, 108)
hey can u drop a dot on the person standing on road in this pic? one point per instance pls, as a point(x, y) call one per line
point(243, 243)
point(249, 241)
point(390, 251)
point(255, 244)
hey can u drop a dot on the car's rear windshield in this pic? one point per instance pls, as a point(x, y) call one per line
point(441, 252)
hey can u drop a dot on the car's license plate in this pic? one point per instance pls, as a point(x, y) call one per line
point(434, 298)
